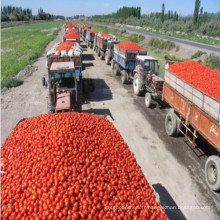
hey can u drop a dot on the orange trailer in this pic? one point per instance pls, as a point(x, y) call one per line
point(197, 113)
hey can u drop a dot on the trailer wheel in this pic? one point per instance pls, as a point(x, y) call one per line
point(148, 99)
point(102, 55)
point(137, 84)
point(107, 60)
point(99, 52)
point(116, 69)
point(112, 64)
point(124, 77)
point(171, 124)
point(212, 172)
point(91, 45)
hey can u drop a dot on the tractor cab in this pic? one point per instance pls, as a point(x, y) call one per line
point(148, 64)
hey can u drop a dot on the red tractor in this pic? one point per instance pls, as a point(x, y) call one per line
point(146, 79)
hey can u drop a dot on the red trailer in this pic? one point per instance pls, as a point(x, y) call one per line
point(194, 112)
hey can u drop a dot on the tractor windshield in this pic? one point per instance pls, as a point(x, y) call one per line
point(63, 79)
point(151, 65)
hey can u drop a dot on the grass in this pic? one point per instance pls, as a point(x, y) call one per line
point(22, 45)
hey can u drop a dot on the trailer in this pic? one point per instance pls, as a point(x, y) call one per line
point(101, 43)
point(194, 113)
point(64, 78)
point(90, 35)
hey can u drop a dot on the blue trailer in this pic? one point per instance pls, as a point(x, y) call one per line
point(124, 60)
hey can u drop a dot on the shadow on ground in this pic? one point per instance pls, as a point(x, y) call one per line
point(170, 207)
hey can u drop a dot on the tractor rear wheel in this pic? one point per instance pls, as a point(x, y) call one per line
point(124, 77)
point(107, 59)
point(112, 64)
point(137, 85)
point(49, 107)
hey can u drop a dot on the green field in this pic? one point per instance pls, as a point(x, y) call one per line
point(22, 45)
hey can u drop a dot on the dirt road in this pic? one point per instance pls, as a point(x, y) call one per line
point(169, 164)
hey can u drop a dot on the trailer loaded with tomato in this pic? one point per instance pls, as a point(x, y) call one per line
point(101, 43)
point(72, 166)
point(90, 35)
point(193, 92)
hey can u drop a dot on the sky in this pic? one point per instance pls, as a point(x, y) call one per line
point(93, 7)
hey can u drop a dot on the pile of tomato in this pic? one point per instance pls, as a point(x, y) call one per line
point(67, 45)
point(72, 166)
point(106, 35)
point(71, 35)
point(198, 75)
point(129, 45)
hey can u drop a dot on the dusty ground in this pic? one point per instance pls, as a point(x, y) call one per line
point(171, 166)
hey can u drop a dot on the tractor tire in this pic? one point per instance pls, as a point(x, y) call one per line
point(124, 77)
point(212, 172)
point(99, 52)
point(91, 45)
point(116, 70)
point(112, 64)
point(78, 103)
point(49, 107)
point(171, 124)
point(102, 55)
point(137, 85)
point(148, 99)
point(107, 60)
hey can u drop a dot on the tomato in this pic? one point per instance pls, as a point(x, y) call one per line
point(71, 166)
point(198, 75)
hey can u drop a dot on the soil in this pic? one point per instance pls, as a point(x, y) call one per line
point(171, 166)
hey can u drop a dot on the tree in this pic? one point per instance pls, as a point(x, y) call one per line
point(162, 13)
point(196, 12)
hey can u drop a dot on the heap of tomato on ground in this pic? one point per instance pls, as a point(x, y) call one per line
point(72, 166)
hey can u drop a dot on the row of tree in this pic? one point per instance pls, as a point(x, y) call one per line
point(123, 12)
point(200, 22)
point(11, 13)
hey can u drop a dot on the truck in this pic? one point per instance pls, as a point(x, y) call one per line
point(110, 51)
point(64, 82)
point(193, 113)
point(132, 63)
point(90, 35)
point(101, 43)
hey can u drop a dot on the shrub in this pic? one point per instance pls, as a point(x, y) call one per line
point(199, 53)
point(162, 44)
point(136, 38)
point(10, 82)
point(213, 62)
